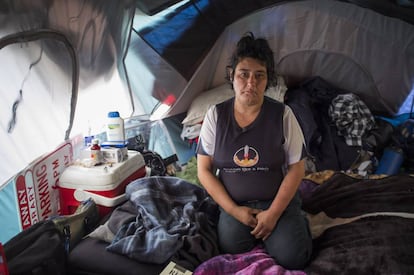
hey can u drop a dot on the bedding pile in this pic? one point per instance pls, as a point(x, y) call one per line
point(368, 226)
point(360, 225)
point(165, 218)
point(332, 143)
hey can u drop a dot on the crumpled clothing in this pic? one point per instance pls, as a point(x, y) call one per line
point(351, 117)
point(170, 213)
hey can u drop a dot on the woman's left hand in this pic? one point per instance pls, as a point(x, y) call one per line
point(266, 222)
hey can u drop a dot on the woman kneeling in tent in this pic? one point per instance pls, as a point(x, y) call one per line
point(256, 145)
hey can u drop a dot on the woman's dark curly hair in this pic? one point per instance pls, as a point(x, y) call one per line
point(257, 48)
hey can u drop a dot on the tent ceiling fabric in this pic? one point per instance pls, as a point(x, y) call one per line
point(186, 36)
point(355, 48)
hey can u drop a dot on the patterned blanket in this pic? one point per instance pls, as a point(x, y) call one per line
point(167, 218)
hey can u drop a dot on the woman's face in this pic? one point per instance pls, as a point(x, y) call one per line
point(249, 81)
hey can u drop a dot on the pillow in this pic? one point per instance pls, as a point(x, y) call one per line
point(206, 99)
point(202, 103)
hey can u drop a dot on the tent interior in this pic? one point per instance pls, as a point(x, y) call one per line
point(161, 64)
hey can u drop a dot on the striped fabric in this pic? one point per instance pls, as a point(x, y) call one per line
point(351, 117)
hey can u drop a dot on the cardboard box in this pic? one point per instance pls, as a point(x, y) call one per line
point(114, 155)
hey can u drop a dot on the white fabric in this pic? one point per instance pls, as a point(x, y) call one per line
point(190, 131)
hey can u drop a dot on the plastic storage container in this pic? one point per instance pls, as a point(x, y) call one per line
point(105, 184)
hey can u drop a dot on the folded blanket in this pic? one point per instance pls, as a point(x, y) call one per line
point(372, 245)
point(362, 226)
point(163, 215)
point(320, 222)
point(345, 196)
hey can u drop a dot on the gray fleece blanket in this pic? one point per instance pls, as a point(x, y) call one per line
point(165, 218)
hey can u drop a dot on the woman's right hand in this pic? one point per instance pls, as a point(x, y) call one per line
point(246, 215)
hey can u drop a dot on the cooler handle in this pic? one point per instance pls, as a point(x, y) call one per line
point(81, 195)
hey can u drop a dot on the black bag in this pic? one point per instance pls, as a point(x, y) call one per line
point(42, 249)
point(75, 226)
point(38, 250)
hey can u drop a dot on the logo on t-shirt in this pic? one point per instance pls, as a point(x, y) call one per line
point(246, 156)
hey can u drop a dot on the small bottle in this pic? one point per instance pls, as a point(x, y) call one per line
point(96, 152)
point(115, 128)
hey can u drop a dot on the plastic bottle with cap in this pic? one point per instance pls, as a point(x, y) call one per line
point(115, 131)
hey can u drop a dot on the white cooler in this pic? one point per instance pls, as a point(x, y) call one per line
point(104, 183)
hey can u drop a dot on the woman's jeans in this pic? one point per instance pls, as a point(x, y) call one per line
point(290, 243)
